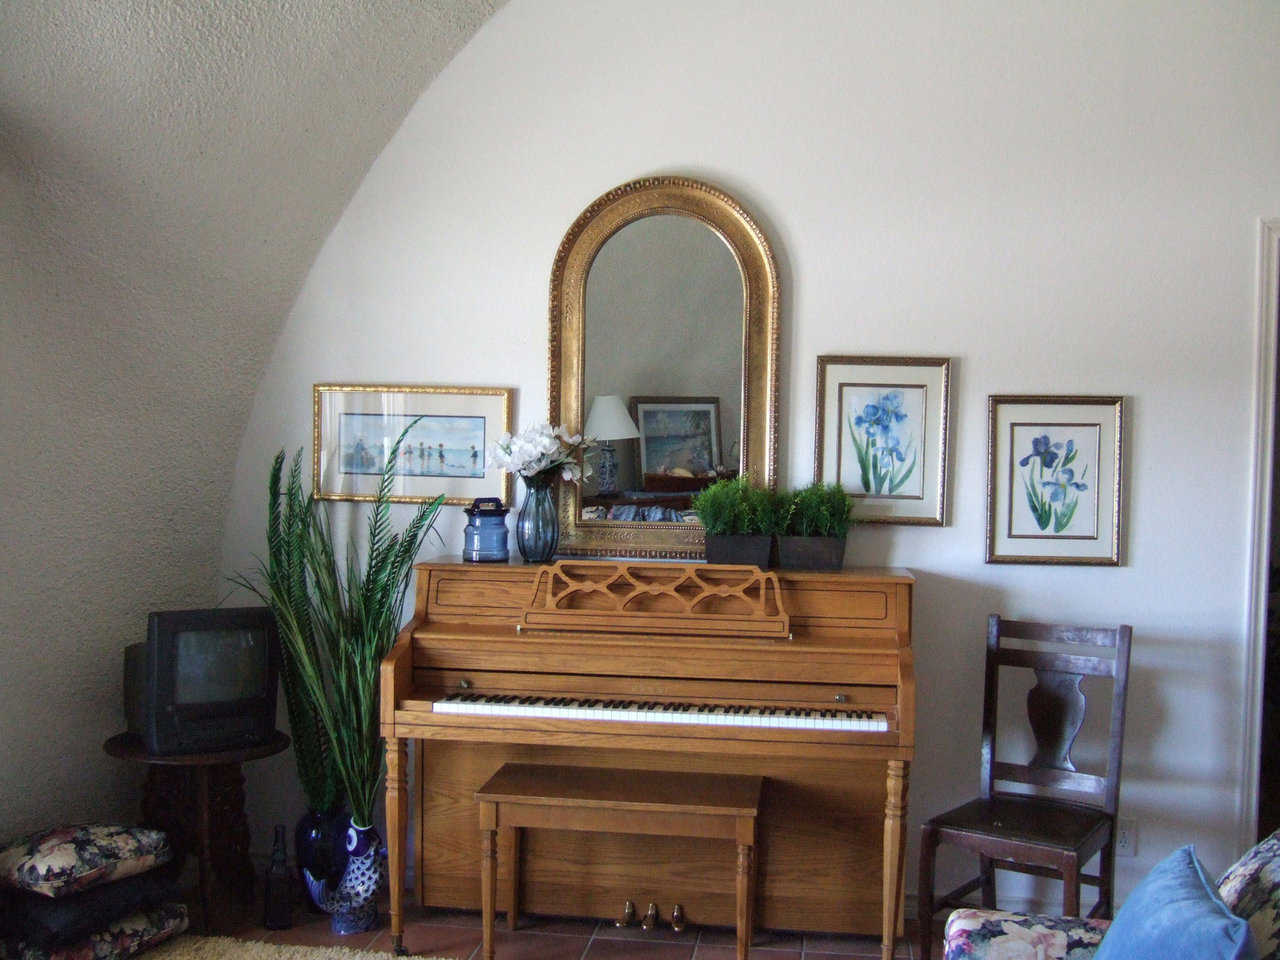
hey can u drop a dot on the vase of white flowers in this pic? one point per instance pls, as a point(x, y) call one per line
point(537, 526)
point(540, 454)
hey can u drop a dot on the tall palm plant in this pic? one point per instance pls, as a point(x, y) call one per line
point(290, 515)
point(339, 618)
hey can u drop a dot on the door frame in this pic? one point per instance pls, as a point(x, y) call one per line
point(1264, 417)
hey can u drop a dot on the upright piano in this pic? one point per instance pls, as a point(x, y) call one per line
point(804, 678)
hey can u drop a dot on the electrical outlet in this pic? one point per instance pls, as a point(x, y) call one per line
point(1126, 837)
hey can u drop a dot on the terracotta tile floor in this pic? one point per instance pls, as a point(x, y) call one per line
point(456, 934)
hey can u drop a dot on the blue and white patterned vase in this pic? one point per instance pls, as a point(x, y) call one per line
point(352, 904)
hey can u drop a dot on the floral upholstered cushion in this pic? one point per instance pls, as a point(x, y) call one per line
point(122, 938)
point(66, 859)
point(1251, 888)
point(996, 935)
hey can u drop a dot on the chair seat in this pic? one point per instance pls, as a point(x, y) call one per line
point(1057, 825)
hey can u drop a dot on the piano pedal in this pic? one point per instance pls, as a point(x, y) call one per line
point(677, 919)
point(650, 921)
point(628, 915)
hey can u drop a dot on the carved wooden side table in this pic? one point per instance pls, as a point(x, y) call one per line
point(195, 797)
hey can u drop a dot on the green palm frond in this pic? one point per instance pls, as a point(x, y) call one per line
point(281, 584)
point(338, 618)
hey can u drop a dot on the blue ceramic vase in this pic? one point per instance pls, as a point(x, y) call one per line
point(320, 843)
point(352, 903)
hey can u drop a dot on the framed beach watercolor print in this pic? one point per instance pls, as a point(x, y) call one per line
point(881, 434)
point(355, 426)
point(1054, 479)
point(677, 433)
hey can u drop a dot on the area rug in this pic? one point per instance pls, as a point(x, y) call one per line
point(189, 947)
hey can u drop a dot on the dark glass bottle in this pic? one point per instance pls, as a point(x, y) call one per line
point(277, 910)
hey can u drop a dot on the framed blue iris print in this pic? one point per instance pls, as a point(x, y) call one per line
point(1054, 479)
point(356, 425)
point(881, 434)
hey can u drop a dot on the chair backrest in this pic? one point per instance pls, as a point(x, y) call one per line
point(1056, 705)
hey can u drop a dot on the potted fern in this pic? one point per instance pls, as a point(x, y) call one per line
point(337, 620)
point(740, 521)
point(817, 528)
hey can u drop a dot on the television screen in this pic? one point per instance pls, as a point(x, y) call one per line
point(205, 680)
point(214, 666)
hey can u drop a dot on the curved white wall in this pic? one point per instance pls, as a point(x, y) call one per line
point(1062, 198)
point(167, 173)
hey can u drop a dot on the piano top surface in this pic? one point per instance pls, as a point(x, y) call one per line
point(887, 574)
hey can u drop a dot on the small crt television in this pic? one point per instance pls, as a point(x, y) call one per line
point(204, 680)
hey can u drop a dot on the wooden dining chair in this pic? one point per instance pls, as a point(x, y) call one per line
point(1031, 832)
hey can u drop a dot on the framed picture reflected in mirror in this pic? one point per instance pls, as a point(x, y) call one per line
point(679, 439)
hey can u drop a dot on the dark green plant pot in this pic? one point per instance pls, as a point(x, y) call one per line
point(750, 548)
point(811, 553)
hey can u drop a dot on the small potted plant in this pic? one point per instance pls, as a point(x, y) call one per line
point(818, 525)
point(739, 519)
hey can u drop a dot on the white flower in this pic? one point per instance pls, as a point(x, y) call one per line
point(538, 449)
point(1027, 943)
point(963, 920)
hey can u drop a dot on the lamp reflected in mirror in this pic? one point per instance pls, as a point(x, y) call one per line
point(607, 421)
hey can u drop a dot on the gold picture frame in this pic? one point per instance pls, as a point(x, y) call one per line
point(1055, 479)
point(355, 424)
point(893, 462)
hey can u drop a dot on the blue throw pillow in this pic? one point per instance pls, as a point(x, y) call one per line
point(1176, 912)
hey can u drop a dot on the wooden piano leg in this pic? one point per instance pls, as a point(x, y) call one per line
point(895, 847)
point(488, 876)
point(513, 880)
point(745, 896)
point(397, 827)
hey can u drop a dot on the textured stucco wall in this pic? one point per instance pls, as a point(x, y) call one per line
point(1062, 198)
point(167, 172)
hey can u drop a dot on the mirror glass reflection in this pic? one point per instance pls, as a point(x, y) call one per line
point(663, 333)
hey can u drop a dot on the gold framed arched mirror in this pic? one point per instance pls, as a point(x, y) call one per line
point(664, 295)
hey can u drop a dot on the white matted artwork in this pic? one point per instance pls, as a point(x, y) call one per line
point(356, 425)
point(881, 434)
point(1053, 479)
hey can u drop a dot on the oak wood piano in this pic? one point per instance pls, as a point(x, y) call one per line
point(803, 678)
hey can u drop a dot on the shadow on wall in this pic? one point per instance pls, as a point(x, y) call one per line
point(949, 637)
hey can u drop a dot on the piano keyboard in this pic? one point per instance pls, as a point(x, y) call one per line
point(651, 711)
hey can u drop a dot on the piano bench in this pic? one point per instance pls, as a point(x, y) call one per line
point(608, 800)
